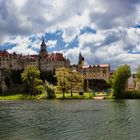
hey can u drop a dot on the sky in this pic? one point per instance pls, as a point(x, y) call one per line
point(104, 31)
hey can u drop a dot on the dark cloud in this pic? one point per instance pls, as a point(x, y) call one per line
point(115, 13)
point(3, 10)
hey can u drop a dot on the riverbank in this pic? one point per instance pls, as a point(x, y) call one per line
point(86, 95)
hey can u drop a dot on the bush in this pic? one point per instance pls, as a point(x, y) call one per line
point(50, 90)
point(131, 95)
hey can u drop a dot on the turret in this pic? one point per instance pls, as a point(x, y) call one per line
point(43, 50)
point(81, 61)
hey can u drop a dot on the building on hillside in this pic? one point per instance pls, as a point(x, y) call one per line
point(100, 71)
point(45, 61)
point(94, 75)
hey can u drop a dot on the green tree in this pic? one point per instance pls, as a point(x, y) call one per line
point(120, 78)
point(76, 81)
point(68, 80)
point(138, 77)
point(62, 75)
point(16, 76)
point(50, 90)
point(48, 76)
point(6, 74)
point(31, 78)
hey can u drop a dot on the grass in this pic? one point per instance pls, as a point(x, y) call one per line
point(12, 97)
point(22, 97)
point(87, 95)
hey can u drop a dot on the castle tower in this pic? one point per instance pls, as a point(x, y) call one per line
point(81, 61)
point(43, 50)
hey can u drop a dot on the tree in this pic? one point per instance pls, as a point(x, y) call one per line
point(62, 75)
point(76, 81)
point(50, 90)
point(48, 76)
point(120, 78)
point(138, 77)
point(31, 78)
point(68, 80)
point(16, 76)
point(6, 75)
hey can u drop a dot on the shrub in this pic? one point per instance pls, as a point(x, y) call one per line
point(50, 90)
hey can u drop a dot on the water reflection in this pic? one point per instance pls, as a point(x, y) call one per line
point(70, 120)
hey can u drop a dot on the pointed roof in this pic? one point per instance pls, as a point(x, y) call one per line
point(80, 56)
point(43, 41)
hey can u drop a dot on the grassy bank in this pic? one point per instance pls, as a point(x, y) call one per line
point(86, 95)
point(12, 97)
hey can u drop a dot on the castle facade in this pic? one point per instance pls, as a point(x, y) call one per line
point(45, 61)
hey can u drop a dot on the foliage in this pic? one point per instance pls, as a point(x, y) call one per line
point(76, 81)
point(50, 89)
point(31, 78)
point(48, 76)
point(62, 75)
point(69, 80)
point(120, 78)
point(11, 77)
point(137, 80)
point(6, 73)
point(138, 72)
point(16, 76)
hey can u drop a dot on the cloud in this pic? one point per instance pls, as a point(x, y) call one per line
point(51, 43)
point(25, 45)
point(29, 17)
point(117, 13)
point(23, 22)
point(116, 46)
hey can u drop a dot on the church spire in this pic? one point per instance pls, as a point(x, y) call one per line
point(81, 60)
point(43, 47)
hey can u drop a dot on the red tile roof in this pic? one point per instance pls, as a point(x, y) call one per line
point(4, 53)
point(100, 65)
point(55, 57)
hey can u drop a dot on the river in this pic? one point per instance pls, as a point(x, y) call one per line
point(70, 120)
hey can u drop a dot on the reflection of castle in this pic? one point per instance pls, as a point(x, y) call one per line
point(44, 60)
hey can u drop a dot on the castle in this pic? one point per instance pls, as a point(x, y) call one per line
point(50, 62)
point(45, 61)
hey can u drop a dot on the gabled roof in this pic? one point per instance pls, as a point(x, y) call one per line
point(4, 53)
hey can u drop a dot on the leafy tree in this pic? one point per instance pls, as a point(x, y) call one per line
point(16, 76)
point(120, 78)
point(76, 81)
point(50, 89)
point(31, 78)
point(138, 77)
point(48, 76)
point(68, 80)
point(6, 73)
point(62, 75)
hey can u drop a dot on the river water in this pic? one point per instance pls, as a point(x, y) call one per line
point(70, 120)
